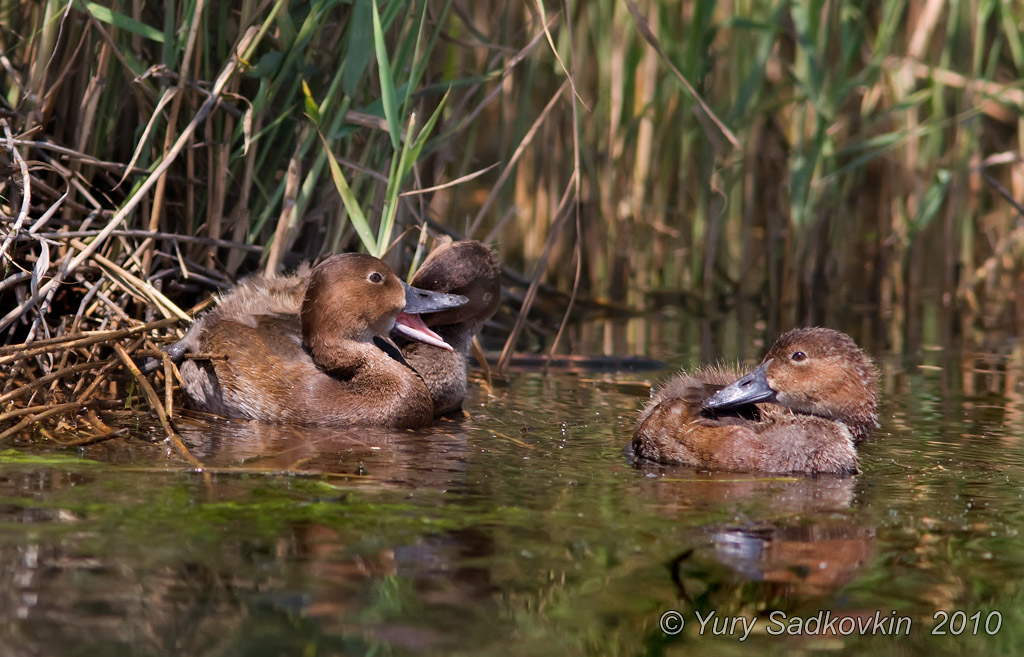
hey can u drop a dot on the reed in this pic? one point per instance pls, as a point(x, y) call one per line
point(817, 158)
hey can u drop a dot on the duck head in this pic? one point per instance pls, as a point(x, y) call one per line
point(355, 297)
point(467, 268)
point(814, 371)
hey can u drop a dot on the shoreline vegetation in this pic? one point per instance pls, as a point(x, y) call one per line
point(825, 161)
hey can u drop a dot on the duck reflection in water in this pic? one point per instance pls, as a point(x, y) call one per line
point(770, 567)
point(806, 560)
point(802, 410)
point(803, 539)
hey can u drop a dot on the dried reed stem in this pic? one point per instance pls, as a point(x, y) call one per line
point(154, 403)
point(11, 353)
point(183, 139)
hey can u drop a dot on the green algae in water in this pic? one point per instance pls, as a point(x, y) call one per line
point(14, 457)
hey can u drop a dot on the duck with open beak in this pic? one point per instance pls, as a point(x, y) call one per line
point(314, 348)
point(419, 301)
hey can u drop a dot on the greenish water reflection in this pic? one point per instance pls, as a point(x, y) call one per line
point(520, 530)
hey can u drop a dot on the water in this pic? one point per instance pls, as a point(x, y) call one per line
point(523, 530)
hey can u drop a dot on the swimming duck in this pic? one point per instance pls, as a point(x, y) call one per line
point(312, 348)
point(470, 269)
point(802, 410)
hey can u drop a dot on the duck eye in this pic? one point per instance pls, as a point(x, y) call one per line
point(375, 277)
point(798, 356)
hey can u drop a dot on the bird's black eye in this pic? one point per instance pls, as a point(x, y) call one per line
point(798, 356)
point(375, 277)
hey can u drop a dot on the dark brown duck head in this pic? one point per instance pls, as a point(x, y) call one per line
point(356, 297)
point(467, 268)
point(470, 269)
point(811, 371)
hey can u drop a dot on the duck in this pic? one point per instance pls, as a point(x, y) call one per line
point(803, 410)
point(467, 268)
point(313, 348)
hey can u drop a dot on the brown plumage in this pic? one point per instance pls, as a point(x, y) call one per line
point(802, 410)
point(470, 269)
point(311, 348)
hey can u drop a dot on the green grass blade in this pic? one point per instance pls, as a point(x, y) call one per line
point(310, 105)
point(357, 54)
point(387, 83)
point(933, 200)
point(419, 63)
point(126, 23)
point(421, 138)
point(355, 213)
point(394, 184)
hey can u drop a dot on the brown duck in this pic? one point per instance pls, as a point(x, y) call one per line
point(802, 410)
point(469, 269)
point(313, 348)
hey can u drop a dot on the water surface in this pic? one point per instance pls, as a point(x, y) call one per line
point(522, 529)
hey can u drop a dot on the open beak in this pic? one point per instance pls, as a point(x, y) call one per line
point(417, 301)
point(748, 389)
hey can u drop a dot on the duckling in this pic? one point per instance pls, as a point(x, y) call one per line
point(312, 348)
point(470, 269)
point(802, 410)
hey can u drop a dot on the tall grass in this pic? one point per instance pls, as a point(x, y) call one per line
point(874, 164)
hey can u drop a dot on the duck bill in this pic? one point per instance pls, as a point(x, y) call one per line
point(748, 389)
point(409, 324)
point(412, 327)
point(419, 301)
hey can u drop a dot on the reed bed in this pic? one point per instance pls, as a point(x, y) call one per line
point(817, 158)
